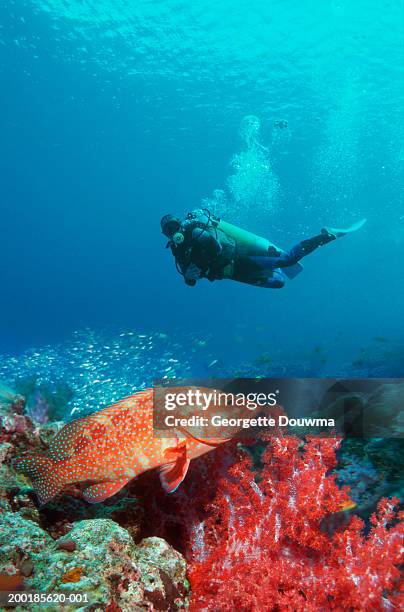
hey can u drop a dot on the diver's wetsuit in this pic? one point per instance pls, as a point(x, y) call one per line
point(204, 247)
point(267, 269)
point(208, 252)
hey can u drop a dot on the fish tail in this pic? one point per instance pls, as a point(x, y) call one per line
point(44, 474)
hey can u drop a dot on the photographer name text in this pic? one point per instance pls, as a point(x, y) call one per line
point(245, 423)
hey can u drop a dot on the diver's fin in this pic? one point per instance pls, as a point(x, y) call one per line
point(338, 233)
point(292, 271)
point(102, 490)
point(173, 473)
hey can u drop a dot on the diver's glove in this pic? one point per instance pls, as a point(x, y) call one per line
point(192, 273)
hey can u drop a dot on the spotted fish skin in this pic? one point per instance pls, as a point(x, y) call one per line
point(107, 449)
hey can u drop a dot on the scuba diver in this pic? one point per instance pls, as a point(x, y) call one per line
point(205, 246)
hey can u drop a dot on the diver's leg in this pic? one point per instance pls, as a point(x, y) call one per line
point(257, 271)
point(303, 248)
point(275, 281)
point(288, 258)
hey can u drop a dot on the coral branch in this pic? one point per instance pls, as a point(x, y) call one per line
point(263, 544)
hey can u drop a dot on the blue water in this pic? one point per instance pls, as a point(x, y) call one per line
point(115, 113)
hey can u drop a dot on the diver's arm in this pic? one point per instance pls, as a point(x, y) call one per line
point(192, 274)
point(194, 263)
point(205, 241)
point(183, 263)
point(204, 256)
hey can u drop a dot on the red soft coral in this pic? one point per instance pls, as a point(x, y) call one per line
point(261, 539)
point(262, 545)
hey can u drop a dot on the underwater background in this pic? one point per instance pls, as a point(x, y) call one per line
point(280, 117)
point(115, 113)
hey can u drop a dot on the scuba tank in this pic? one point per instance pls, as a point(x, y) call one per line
point(252, 245)
point(247, 243)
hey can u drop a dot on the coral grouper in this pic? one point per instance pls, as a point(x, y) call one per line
point(105, 450)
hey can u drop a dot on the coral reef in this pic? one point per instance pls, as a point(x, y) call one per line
point(372, 468)
point(50, 549)
point(267, 542)
point(254, 526)
point(98, 558)
point(44, 402)
point(18, 433)
point(272, 530)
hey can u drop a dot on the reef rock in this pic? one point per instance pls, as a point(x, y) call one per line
point(70, 546)
point(97, 559)
point(18, 434)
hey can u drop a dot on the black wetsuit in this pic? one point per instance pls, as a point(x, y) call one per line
point(267, 270)
point(205, 247)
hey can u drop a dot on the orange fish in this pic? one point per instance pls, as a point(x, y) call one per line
point(11, 582)
point(107, 449)
point(349, 505)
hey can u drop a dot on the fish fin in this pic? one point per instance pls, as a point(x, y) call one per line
point(63, 444)
point(173, 473)
point(43, 473)
point(100, 491)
